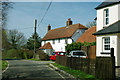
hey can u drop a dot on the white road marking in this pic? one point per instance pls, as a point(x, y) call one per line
point(58, 73)
point(6, 68)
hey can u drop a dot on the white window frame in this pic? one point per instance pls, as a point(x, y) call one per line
point(105, 43)
point(106, 16)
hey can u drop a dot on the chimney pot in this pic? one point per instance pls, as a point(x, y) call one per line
point(69, 22)
point(69, 19)
point(49, 27)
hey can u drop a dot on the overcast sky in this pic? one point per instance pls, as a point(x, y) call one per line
point(23, 14)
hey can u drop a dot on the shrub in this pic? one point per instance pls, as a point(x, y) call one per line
point(17, 54)
point(77, 46)
point(73, 46)
point(42, 55)
point(89, 44)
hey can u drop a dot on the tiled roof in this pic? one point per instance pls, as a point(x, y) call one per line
point(46, 46)
point(87, 35)
point(107, 3)
point(114, 28)
point(63, 32)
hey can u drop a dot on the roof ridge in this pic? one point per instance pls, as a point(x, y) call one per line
point(64, 26)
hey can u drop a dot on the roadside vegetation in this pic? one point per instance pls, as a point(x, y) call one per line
point(4, 64)
point(76, 73)
point(77, 46)
point(14, 43)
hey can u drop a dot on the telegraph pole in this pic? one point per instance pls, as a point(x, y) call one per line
point(35, 39)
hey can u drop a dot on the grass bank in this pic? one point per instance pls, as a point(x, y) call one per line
point(4, 64)
point(76, 73)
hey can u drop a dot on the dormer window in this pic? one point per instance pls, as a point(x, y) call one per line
point(106, 17)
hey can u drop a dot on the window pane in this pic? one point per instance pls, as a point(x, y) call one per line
point(107, 21)
point(107, 47)
point(107, 12)
point(79, 53)
point(58, 40)
point(66, 41)
point(107, 43)
point(53, 41)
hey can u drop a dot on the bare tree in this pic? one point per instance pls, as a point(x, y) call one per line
point(16, 39)
point(91, 24)
point(4, 7)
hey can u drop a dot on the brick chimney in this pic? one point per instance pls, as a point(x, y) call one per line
point(69, 22)
point(49, 27)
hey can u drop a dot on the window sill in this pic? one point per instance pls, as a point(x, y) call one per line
point(105, 53)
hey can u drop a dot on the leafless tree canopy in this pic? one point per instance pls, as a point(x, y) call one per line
point(16, 39)
point(91, 24)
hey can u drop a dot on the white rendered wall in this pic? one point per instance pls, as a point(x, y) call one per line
point(113, 44)
point(119, 11)
point(113, 16)
point(58, 46)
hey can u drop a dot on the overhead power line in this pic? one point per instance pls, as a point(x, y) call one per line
point(23, 28)
point(45, 13)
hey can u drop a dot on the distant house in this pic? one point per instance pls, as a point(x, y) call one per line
point(87, 36)
point(108, 29)
point(60, 37)
point(47, 48)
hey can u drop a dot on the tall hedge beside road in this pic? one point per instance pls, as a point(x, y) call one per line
point(17, 54)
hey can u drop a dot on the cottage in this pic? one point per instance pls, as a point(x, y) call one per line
point(60, 37)
point(108, 29)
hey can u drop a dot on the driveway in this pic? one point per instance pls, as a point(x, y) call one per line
point(31, 70)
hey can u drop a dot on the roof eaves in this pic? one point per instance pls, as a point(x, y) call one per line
point(55, 38)
point(106, 33)
point(110, 4)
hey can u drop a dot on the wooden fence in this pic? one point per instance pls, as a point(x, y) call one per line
point(77, 63)
point(102, 67)
point(105, 67)
point(90, 50)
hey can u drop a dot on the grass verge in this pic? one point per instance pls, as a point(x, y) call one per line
point(4, 64)
point(76, 73)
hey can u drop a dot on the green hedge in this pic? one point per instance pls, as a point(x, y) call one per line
point(77, 46)
point(17, 54)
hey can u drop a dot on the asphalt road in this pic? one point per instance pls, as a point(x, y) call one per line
point(31, 70)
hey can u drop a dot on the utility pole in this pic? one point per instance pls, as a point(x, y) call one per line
point(35, 39)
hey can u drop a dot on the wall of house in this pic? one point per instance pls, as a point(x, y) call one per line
point(118, 49)
point(58, 46)
point(77, 34)
point(48, 51)
point(119, 11)
point(113, 16)
point(113, 44)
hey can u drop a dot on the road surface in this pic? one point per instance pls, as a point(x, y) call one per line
point(31, 70)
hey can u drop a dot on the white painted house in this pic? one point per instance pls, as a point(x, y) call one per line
point(60, 37)
point(108, 29)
